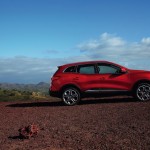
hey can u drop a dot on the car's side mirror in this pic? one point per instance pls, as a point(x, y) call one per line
point(123, 70)
point(120, 71)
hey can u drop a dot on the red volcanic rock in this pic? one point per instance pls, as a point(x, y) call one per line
point(116, 123)
point(28, 131)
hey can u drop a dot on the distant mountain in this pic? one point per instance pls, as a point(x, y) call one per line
point(40, 87)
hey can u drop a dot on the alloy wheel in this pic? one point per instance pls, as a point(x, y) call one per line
point(143, 92)
point(71, 96)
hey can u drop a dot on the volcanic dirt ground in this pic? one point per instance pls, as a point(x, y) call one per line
point(117, 123)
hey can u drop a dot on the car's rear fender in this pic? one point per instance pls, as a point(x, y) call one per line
point(67, 86)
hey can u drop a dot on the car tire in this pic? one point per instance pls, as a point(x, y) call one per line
point(71, 96)
point(142, 92)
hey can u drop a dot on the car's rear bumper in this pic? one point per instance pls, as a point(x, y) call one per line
point(54, 93)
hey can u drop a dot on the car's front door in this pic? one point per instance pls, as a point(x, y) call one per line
point(111, 78)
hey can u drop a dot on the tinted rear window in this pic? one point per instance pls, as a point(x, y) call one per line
point(86, 69)
point(70, 69)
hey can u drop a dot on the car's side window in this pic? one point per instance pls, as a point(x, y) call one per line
point(108, 69)
point(86, 69)
point(70, 69)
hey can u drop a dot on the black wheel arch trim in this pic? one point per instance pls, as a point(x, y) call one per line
point(70, 85)
point(139, 82)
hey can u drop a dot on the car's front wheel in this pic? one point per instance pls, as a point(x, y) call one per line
point(70, 96)
point(142, 92)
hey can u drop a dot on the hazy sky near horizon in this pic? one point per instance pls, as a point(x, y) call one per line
point(38, 35)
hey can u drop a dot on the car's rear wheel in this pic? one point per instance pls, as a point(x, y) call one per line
point(70, 96)
point(142, 92)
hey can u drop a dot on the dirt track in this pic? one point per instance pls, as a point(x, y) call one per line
point(111, 123)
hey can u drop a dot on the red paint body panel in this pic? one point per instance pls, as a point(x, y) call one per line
point(84, 82)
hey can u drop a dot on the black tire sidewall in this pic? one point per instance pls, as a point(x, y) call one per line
point(135, 92)
point(72, 88)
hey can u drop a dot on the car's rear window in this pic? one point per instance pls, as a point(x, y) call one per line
point(86, 69)
point(70, 69)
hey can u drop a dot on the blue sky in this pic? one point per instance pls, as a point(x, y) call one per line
point(38, 35)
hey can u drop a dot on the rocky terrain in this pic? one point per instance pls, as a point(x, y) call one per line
point(117, 123)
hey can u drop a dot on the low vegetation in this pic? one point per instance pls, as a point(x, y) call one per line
point(23, 92)
point(10, 95)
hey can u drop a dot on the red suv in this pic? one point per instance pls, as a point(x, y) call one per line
point(71, 82)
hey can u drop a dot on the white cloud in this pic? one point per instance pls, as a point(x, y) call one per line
point(107, 47)
point(111, 40)
point(106, 41)
point(146, 41)
point(113, 48)
point(26, 69)
point(31, 70)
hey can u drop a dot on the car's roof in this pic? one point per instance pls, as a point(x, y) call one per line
point(88, 62)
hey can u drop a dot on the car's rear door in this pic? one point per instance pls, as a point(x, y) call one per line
point(86, 77)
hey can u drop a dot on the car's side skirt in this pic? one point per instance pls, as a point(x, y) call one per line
point(105, 92)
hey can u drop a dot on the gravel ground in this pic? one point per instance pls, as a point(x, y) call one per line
point(118, 123)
